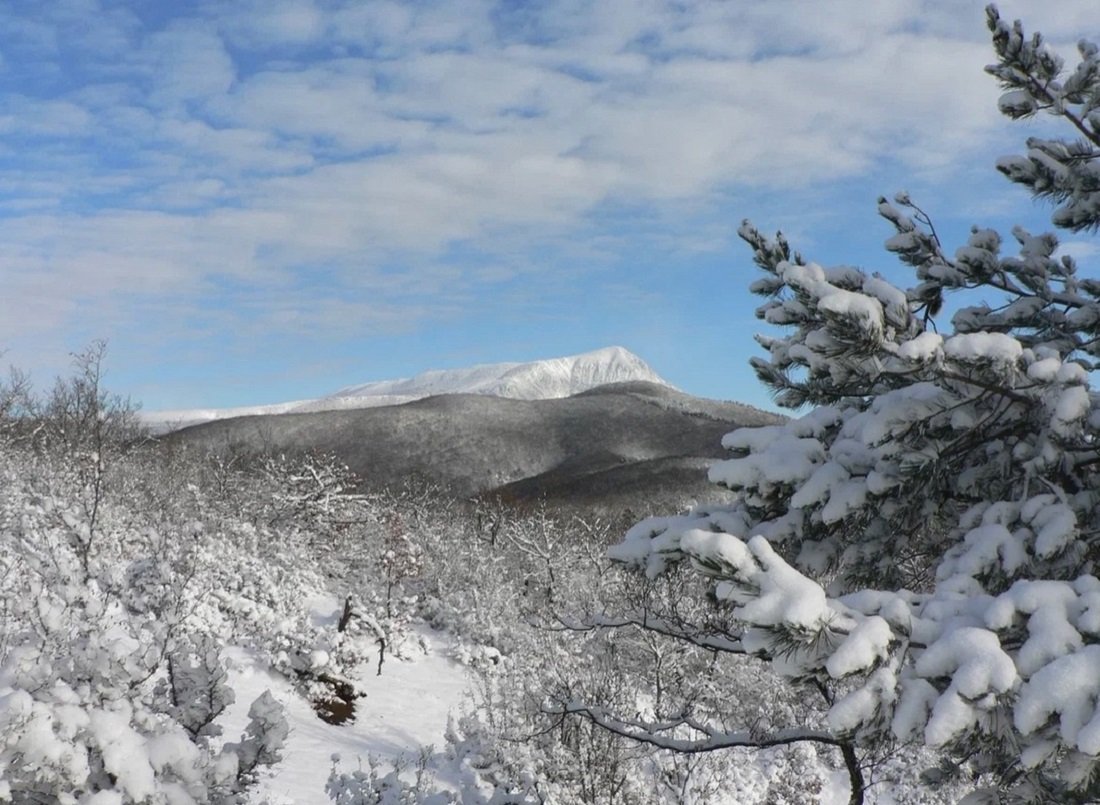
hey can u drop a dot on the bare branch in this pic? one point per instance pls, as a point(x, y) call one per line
point(709, 640)
point(660, 734)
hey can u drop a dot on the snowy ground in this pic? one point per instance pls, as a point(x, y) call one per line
point(406, 707)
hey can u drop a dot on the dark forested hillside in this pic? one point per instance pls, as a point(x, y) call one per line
point(640, 438)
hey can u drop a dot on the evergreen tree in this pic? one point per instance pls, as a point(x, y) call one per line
point(921, 546)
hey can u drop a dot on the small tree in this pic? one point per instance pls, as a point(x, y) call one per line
point(80, 419)
point(15, 397)
point(400, 561)
point(921, 547)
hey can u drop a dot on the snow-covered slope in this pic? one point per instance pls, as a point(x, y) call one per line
point(406, 712)
point(405, 709)
point(537, 380)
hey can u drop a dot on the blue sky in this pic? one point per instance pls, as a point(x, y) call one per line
point(262, 201)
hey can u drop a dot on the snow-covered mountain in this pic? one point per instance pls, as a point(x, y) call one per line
point(537, 380)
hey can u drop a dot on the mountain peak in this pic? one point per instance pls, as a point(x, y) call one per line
point(534, 380)
point(542, 379)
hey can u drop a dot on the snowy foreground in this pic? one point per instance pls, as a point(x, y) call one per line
point(213, 606)
point(405, 711)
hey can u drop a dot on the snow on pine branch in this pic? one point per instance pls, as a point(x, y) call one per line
point(961, 471)
point(938, 665)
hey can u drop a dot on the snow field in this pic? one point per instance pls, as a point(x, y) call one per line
point(405, 708)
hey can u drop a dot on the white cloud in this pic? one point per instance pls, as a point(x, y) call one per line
point(254, 143)
point(187, 62)
point(27, 117)
point(1080, 249)
point(271, 23)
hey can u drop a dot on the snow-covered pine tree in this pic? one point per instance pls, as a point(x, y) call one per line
point(922, 545)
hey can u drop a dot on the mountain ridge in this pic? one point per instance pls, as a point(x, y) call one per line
point(551, 378)
point(627, 441)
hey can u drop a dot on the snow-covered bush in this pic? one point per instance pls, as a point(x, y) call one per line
point(112, 561)
point(403, 782)
point(509, 568)
point(108, 686)
point(518, 742)
point(921, 545)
